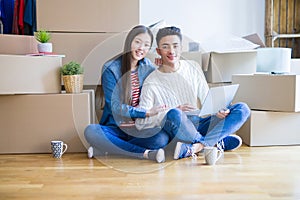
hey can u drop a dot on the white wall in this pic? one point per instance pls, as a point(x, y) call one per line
point(201, 19)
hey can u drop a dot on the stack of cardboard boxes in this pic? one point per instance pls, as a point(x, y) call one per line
point(92, 37)
point(275, 104)
point(273, 94)
point(34, 110)
point(274, 100)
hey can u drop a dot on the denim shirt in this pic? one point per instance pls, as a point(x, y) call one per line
point(111, 79)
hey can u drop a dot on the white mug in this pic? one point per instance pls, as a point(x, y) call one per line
point(58, 148)
point(212, 155)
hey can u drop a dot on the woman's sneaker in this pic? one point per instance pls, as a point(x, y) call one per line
point(183, 150)
point(230, 143)
point(157, 155)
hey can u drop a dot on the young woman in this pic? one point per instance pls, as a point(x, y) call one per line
point(122, 80)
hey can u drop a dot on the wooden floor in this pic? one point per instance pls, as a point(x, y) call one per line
point(249, 173)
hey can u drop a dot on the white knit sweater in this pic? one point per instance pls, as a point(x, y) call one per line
point(185, 86)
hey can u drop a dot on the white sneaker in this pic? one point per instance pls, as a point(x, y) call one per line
point(183, 150)
point(90, 152)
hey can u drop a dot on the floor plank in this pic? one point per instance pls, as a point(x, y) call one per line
point(248, 173)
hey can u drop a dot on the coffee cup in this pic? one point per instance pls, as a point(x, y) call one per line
point(58, 148)
point(212, 155)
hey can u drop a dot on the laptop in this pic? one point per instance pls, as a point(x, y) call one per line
point(217, 98)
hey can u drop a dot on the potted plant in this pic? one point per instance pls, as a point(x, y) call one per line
point(43, 37)
point(72, 75)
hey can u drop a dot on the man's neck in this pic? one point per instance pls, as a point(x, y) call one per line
point(169, 68)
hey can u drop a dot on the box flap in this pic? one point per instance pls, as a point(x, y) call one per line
point(205, 61)
point(255, 39)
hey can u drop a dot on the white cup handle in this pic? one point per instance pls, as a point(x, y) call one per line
point(219, 155)
point(66, 147)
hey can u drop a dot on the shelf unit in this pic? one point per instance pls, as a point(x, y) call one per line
point(282, 21)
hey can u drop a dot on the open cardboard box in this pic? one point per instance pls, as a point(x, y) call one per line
point(219, 66)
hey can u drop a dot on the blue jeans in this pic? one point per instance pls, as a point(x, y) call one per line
point(125, 141)
point(208, 130)
point(177, 126)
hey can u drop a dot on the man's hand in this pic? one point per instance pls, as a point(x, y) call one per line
point(186, 107)
point(223, 113)
point(155, 110)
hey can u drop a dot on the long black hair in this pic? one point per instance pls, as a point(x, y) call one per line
point(126, 60)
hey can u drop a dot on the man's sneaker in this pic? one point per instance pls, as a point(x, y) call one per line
point(183, 150)
point(230, 143)
point(157, 155)
point(90, 152)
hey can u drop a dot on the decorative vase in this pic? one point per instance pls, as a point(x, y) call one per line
point(73, 83)
point(45, 47)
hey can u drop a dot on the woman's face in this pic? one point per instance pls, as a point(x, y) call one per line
point(140, 46)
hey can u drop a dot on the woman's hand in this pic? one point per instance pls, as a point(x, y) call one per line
point(158, 61)
point(155, 110)
point(223, 113)
point(186, 107)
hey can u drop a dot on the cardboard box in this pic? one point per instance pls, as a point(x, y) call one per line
point(94, 16)
point(266, 128)
point(92, 50)
point(269, 92)
point(192, 55)
point(29, 74)
point(29, 122)
point(91, 93)
point(17, 44)
point(223, 58)
point(210, 85)
point(223, 65)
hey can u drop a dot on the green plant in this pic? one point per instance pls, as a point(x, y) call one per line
point(71, 68)
point(42, 36)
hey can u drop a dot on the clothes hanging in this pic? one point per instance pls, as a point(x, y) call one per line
point(30, 17)
point(15, 27)
point(7, 15)
point(24, 17)
point(1, 24)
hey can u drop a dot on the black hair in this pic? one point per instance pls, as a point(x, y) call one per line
point(126, 59)
point(171, 30)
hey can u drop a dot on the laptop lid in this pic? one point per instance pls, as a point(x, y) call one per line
point(217, 98)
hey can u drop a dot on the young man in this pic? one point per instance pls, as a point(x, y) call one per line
point(181, 86)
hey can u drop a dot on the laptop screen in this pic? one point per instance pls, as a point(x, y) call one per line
point(217, 98)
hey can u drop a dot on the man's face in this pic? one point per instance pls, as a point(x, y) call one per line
point(169, 48)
